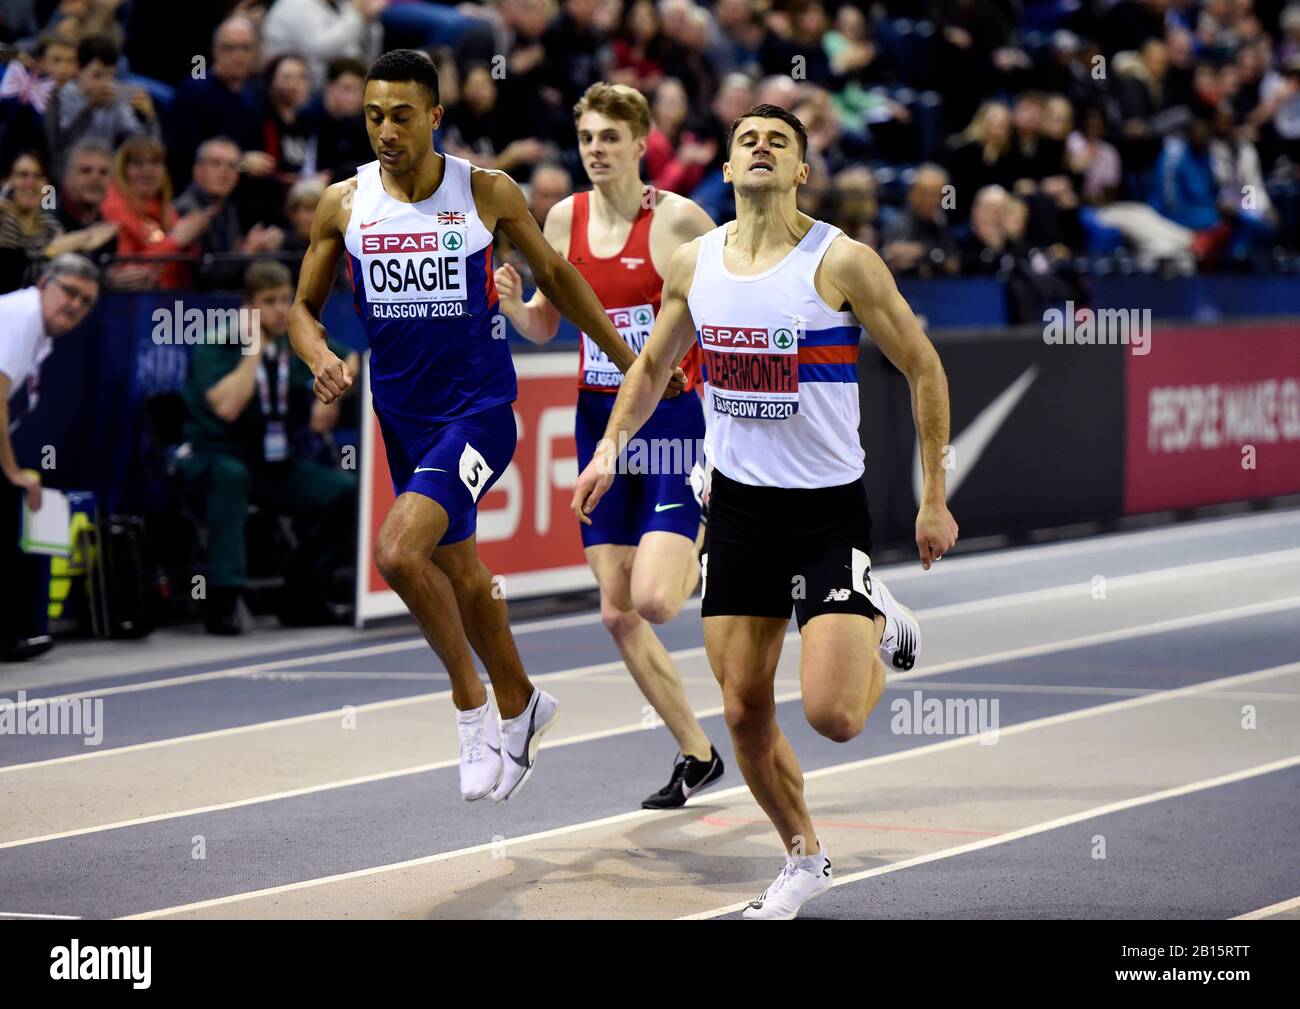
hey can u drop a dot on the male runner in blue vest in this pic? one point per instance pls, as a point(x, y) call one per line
point(417, 229)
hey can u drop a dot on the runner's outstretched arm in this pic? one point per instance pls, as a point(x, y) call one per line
point(332, 376)
point(860, 277)
point(644, 383)
point(556, 277)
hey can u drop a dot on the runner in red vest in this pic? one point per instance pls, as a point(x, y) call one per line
point(643, 546)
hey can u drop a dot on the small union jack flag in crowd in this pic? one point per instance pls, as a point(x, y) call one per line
point(30, 89)
point(451, 217)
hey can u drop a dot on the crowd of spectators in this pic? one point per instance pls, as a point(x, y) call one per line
point(1012, 138)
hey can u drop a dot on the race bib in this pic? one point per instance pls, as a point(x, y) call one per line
point(634, 325)
point(424, 267)
point(753, 371)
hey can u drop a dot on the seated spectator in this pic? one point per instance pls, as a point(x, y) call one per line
point(26, 228)
point(1186, 191)
point(983, 247)
point(1243, 194)
point(85, 184)
point(338, 30)
point(156, 245)
point(29, 233)
point(853, 206)
point(338, 124)
point(917, 243)
point(30, 320)
point(575, 47)
point(216, 174)
point(550, 183)
point(226, 101)
point(1089, 156)
point(28, 84)
point(287, 132)
point(1034, 154)
point(93, 105)
point(486, 133)
point(247, 400)
point(638, 48)
point(981, 155)
point(79, 19)
point(688, 55)
point(676, 157)
point(300, 211)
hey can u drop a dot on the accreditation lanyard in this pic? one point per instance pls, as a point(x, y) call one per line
point(275, 444)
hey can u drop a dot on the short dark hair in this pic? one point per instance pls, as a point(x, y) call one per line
point(407, 65)
point(342, 65)
point(97, 47)
point(773, 112)
point(265, 275)
point(51, 38)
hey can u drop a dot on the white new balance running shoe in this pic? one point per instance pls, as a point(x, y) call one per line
point(519, 739)
point(480, 752)
point(901, 643)
point(800, 881)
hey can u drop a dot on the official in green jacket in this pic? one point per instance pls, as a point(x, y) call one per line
point(248, 411)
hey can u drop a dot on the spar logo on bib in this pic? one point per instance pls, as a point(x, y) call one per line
point(424, 266)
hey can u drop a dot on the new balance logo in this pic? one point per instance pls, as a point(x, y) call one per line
point(838, 596)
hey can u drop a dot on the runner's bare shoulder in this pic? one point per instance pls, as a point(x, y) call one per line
point(336, 205)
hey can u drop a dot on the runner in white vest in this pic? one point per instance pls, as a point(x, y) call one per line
point(778, 302)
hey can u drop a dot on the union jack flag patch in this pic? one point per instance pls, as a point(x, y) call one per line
point(451, 217)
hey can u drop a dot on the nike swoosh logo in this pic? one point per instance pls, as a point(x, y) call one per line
point(532, 725)
point(494, 749)
point(687, 791)
point(968, 446)
point(371, 224)
point(664, 507)
point(429, 469)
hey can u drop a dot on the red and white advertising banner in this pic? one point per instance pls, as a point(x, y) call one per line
point(1213, 416)
point(526, 533)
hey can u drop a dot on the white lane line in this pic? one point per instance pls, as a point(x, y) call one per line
point(1039, 828)
point(908, 754)
point(1268, 912)
point(1029, 651)
point(895, 572)
point(20, 916)
point(1083, 590)
point(1016, 599)
point(1126, 541)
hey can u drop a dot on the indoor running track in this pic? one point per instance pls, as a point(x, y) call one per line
point(1142, 693)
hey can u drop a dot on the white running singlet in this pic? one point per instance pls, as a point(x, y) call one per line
point(780, 369)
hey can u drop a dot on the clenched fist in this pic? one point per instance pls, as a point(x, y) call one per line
point(510, 286)
point(332, 377)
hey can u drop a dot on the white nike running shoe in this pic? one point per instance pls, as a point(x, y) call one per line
point(800, 881)
point(901, 643)
point(480, 752)
point(519, 739)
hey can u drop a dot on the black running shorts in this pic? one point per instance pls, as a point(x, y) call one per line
point(770, 549)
